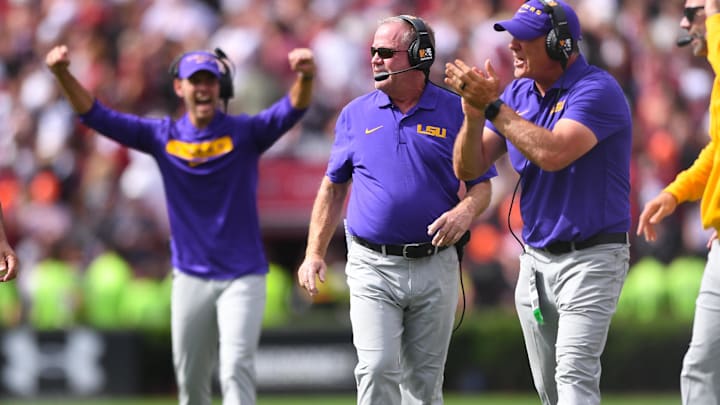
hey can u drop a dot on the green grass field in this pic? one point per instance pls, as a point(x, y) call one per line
point(450, 399)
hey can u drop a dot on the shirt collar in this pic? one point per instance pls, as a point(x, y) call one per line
point(572, 74)
point(428, 99)
point(187, 125)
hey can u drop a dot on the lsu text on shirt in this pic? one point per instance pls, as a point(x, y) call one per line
point(592, 194)
point(400, 164)
point(210, 177)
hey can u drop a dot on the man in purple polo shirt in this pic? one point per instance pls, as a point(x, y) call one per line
point(405, 210)
point(567, 130)
point(209, 165)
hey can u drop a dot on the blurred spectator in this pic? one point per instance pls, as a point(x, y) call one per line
point(277, 301)
point(107, 278)
point(10, 316)
point(643, 295)
point(55, 295)
point(145, 306)
point(684, 275)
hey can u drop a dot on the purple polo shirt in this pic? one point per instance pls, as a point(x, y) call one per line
point(400, 164)
point(592, 194)
point(210, 178)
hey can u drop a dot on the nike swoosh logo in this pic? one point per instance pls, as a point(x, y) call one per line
point(370, 131)
point(521, 113)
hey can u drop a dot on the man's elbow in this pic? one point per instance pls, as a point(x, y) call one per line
point(462, 174)
point(553, 163)
point(465, 173)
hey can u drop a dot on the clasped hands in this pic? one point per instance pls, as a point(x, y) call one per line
point(476, 87)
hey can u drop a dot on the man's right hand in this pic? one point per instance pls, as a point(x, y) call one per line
point(9, 263)
point(655, 210)
point(311, 268)
point(57, 58)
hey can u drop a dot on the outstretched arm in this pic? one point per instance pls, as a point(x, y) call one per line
point(302, 62)
point(78, 96)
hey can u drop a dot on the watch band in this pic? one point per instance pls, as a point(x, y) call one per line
point(493, 109)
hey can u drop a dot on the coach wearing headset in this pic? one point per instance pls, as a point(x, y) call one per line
point(567, 130)
point(209, 165)
point(406, 212)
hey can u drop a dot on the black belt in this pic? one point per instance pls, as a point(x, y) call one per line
point(408, 251)
point(559, 248)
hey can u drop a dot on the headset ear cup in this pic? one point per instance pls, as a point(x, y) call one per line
point(559, 43)
point(551, 46)
point(555, 49)
point(421, 53)
point(413, 55)
point(227, 89)
point(424, 52)
point(226, 86)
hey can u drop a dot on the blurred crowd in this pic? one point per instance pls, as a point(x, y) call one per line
point(71, 197)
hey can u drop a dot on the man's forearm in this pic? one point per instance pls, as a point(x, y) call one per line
point(301, 91)
point(325, 217)
point(468, 162)
point(477, 198)
point(530, 139)
point(80, 99)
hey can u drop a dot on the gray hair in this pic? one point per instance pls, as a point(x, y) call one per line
point(410, 34)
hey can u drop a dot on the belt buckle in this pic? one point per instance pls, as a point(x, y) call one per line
point(405, 249)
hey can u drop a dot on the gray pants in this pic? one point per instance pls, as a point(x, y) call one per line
point(578, 294)
point(402, 313)
point(700, 376)
point(205, 312)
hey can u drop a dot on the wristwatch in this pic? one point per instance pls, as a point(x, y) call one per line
point(493, 109)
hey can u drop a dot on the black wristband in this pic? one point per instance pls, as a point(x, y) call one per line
point(493, 109)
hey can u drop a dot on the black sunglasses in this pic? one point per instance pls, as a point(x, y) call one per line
point(384, 53)
point(691, 12)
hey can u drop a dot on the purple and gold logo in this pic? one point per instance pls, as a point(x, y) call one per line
point(196, 153)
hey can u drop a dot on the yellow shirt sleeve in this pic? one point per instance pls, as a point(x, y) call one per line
point(689, 184)
point(702, 179)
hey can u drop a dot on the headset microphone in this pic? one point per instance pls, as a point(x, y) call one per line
point(684, 41)
point(380, 76)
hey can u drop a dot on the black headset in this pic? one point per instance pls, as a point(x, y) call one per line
point(227, 90)
point(421, 51)
point(559, 43)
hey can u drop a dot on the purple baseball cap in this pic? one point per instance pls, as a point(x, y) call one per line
point(531, 21)
point(196, 61)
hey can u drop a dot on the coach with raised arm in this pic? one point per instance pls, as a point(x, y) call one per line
point(209, 164)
